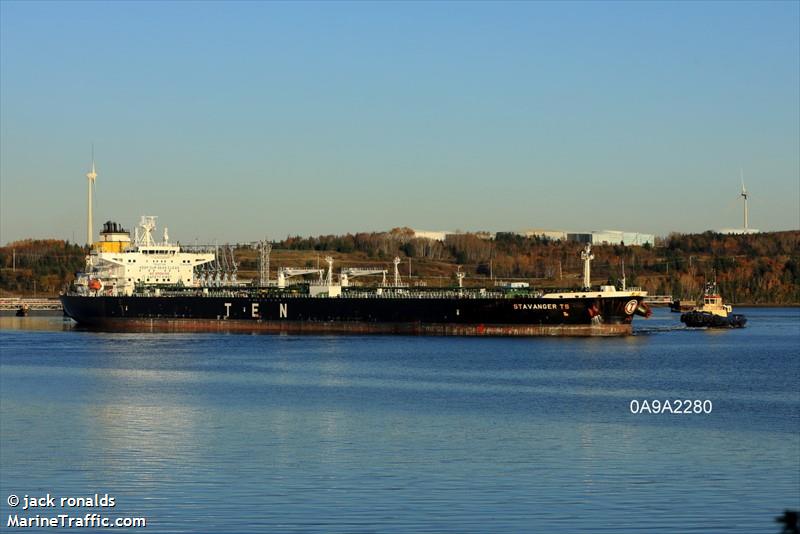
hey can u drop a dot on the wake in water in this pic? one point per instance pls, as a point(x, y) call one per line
point(657, 329)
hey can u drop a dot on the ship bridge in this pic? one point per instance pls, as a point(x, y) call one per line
point(116, 266)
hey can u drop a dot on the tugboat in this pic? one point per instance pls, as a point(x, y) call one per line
point(712, 313)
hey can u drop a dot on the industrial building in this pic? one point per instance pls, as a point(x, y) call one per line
point(596, 237)
point(440, 235)
point(617, 237)
point(433, 235)
point(555, 235)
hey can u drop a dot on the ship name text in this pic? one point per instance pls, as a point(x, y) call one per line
point(255, 312)
point(543, 306)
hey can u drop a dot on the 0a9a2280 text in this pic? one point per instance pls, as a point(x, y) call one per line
point(678, 406)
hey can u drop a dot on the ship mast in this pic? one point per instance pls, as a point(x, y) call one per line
point(587, 257)
point(91, 177)
point(396, 262)
point(329, 277)
point(264, 248)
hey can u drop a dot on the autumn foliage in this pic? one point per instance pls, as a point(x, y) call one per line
point(758, 268)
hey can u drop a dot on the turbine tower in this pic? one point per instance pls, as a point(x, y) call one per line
point(91, 176)
point(744, 196)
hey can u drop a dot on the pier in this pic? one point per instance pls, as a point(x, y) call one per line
point(658, 300)
point(33, 304)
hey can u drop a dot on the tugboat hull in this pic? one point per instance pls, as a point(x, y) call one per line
point(697, 319)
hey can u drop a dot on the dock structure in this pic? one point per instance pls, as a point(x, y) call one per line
point(658, 300)
point(14, 303)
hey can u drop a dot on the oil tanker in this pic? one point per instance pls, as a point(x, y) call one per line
point(160, 286)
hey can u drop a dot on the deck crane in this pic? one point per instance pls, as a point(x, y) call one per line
point(223, 266)
point(352, 272)
point(288, 272)
point(216, 269)
point(233, 272)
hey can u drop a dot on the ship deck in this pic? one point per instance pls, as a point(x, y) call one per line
point(364, 292)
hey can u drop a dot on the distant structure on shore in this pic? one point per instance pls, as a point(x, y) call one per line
point(597, 237)
point(91, 176)
point(555, 235)
point(613, 237)
point(594, 237)
point(746, 229)
point(434, 235)
point(738, 231)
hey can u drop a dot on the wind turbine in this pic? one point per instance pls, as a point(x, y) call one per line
point(91, 176)
point(743, 194)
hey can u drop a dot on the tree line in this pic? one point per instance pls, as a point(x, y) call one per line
point(755, 268)
point(39, 265)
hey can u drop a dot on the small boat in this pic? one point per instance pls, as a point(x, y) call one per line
point(712, 313)
point(23, 310)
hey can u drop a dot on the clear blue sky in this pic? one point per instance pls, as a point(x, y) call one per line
point(235, 121)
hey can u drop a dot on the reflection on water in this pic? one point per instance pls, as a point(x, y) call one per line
point(48, 322)
point(237, 433)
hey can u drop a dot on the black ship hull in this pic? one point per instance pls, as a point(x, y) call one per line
point(696, 319)
point(515, 316)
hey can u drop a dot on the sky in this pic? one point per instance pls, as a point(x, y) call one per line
point(238, 121)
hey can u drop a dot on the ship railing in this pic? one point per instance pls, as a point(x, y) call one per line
point(353, 293)
point(219, 292)
point(454, 293)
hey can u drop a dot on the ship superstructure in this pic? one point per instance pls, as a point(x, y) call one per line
point(117, 265)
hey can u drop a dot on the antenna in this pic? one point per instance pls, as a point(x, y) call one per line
point(743, 194)
point(91, 177)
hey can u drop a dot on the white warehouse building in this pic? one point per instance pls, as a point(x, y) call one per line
point(617, 237)
point(595, 237)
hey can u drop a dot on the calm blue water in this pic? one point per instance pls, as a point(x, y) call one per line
point(241, 433)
